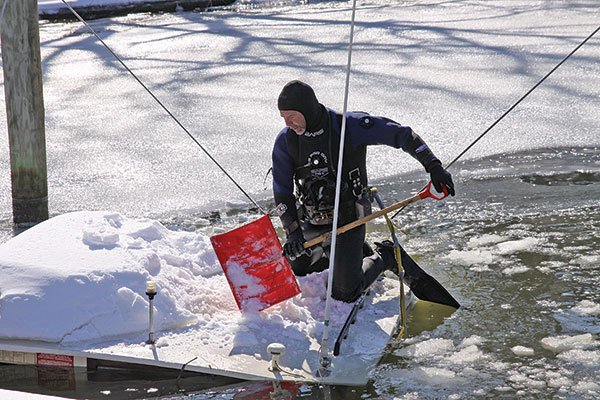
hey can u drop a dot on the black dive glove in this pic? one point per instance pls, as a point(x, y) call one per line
point(439, 177)
point(294, 246)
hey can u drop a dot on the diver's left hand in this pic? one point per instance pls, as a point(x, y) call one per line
point(439, 177)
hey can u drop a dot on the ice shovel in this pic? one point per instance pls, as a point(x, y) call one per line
point(252, 259)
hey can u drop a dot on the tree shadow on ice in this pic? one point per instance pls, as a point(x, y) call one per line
point(405, 39)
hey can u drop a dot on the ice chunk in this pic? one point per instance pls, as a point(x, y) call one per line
point(522, 351)
point(559, 344)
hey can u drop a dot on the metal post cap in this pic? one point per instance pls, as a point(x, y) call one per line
point(276, 349)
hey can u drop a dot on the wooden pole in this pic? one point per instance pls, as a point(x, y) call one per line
point(364, 220)
point(21, 63)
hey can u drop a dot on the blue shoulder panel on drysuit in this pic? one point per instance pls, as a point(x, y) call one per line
point(365, 129)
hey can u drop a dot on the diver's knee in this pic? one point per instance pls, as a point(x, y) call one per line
point(345, 295)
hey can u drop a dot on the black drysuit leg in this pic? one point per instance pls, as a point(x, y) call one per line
point(352, 272)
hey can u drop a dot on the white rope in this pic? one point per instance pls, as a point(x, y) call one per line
point(325, 340)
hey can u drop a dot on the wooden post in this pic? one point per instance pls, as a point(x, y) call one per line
point(21, 62)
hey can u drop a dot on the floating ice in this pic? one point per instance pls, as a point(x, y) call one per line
point(522, 351)
point(237, 204)
point(581, 317)
point(473, 340)
point(467, 355)
point(487, 249)
point(586, 307)
point(559, 382)
point(515, 246)
point(470, 257)
point(562, 343)
point(588, 358)
point(485, 240)
point(437, 376)
point(427, 348)
point(589, 260)
point(518, 269)
point(587, 387)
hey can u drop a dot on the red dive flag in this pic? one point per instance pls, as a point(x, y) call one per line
point(252, 260)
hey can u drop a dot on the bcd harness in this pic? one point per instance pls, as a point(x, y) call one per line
point(315, 178)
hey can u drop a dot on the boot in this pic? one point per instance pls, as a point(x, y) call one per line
point(386, 251)
point(367, 250)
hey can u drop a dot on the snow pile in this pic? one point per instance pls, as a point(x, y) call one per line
point(82, 276)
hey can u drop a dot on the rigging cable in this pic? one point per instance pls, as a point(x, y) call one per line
point(163, 107)
point(2, 11)
point(325, 339)
point(515, 104)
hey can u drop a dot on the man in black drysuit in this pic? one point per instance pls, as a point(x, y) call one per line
point(305, 157)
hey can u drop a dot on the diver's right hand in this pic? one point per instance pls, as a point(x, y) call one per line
point(294, 246)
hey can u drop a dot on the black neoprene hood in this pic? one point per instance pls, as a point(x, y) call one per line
point(298, 96)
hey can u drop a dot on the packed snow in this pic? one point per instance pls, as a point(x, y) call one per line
point(14, 395)
point(81, 278)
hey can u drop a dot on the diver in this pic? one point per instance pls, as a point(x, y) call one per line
point(305, 160)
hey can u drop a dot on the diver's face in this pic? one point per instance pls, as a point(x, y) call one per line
point(294, 120)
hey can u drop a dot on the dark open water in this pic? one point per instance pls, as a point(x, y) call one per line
point(519, 247)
